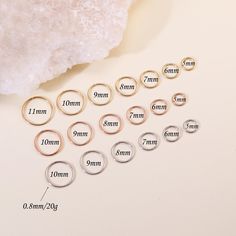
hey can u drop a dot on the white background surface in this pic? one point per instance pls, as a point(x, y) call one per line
point(181, 189)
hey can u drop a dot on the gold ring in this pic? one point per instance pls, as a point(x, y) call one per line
point(173, 65)
point(71, 138)
point(136, 107)
point(23, 110)
point(162, 101)
point(49, 131)
point(113, 115)
point(129, 78)
point(100, 84)
point(190, 66)
point(150, 71)
point(70, 91)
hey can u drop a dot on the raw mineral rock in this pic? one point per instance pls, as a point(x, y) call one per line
point(41, 39)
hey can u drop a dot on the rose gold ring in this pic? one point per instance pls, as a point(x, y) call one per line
point(72, 139)
point(162, 101)
point(113, 115)
point(48, 131)
point(136, 107)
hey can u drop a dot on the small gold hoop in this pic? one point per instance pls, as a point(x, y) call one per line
point(70, 91)
point(105, 86)
point(185, 67)
point(33, 98)
point(150, 71)
point(128, 78)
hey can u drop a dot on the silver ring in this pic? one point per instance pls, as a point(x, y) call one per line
point(97, 152)
point(65, 163)
point(149, 133)
point(175, 127)
point(193, 131)
point(127, 143)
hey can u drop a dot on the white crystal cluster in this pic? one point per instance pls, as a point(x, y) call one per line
point(41, 39)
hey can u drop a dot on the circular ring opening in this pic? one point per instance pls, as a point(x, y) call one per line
point(71, 167)
point(71, 103)
point(58, 143)
point(71, 138)
point(38, 112)
point(100, 95)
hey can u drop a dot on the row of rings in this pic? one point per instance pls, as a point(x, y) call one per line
point(170, 134)
point(90, 133)
point(165, 106)
point(146, 79)
point(143, 142)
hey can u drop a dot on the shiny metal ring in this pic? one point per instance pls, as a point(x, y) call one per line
point(127, 143)
point(71, 138)
point(159, 100)
point(48, 131)
point(129, 78)
point(183, 65)
point(23, 110)
point(70, 91)
point(175, 127)
point(47, 173)
point(171, 64)
point(113, 115)
point(150, 71)
point(105, 162)
point(104, 85)
point(149, 133)
point(191, 120)
point(179, 94)
point(136, 107)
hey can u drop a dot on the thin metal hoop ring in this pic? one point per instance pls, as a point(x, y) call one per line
point(150, 71)
point(104, 85)
point(127, 143)
point(48, 131)
point(129, 78)
point(149, 133)
point(179, 94)
point(113, 115)
point(171, 64)
point(175, 127)
point(70, 91)
point(191, 120)
point(186, 58)
point(159, 100)
point(29, 100)
point(71, 138)
point(56, 185)
point(96, 152)
point(136, 107)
